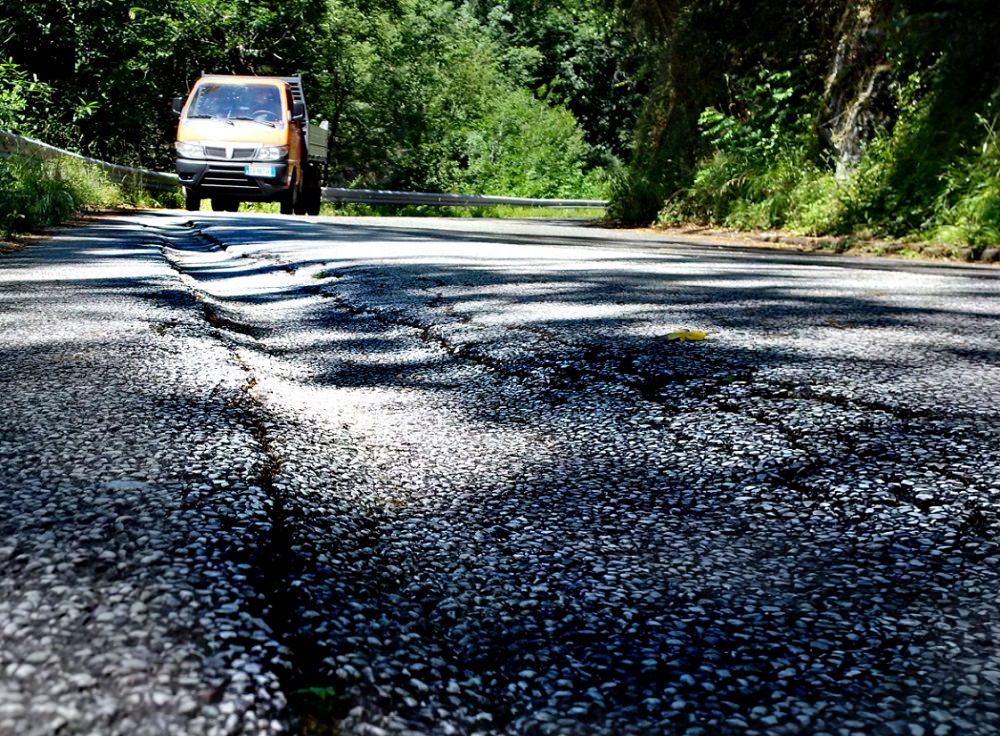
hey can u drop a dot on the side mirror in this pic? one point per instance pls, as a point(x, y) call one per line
point(298, 111)
point(178, 105)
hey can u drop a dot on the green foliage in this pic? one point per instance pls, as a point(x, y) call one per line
point(968, 208)
point(415, 90)
point(633, 193)
point(817, 206)
point(705, 55)
point(497, 212)
point(32, 197)
point(319, 709)
point(722, 142)
point(18, 93)
point(39, 193)
point(427, 105)
point(522, 147)
point(575, 52)
point(761, 129)
point(899, 187)
point(756, 173)
point(317, 693)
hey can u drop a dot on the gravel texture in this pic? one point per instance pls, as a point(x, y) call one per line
point(132, 521)
point(454, 474)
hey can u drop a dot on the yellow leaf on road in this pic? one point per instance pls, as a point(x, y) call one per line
point(683, 335)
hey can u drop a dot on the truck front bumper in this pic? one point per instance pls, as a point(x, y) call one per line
point(211, 178)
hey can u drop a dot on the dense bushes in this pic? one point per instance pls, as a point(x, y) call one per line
point(912, 86)
point(903, 185)
point(968, 207)
point(527, 149)
point(428, 102)
point(36, 193)
point(31, 197)
point(421, 94)
point(707, 56)
point(40, 193)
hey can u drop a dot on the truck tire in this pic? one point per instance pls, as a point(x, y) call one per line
point(192, 202)
point(302, 202)
point(314, 197)
point(290, 199)
point(225, 204)
point(312, 191)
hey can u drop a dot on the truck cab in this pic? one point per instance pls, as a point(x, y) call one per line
point(248, 139)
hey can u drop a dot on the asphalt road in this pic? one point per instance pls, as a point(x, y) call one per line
point(433, 476)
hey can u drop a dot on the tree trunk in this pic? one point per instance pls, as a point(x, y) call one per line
point(858, 99)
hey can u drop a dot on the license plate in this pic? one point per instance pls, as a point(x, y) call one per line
point(259, 170)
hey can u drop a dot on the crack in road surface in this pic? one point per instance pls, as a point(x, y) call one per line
point(492, 499)
point(486, 622)
point(129, 513)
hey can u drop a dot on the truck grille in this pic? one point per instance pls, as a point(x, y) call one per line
point(232, 153)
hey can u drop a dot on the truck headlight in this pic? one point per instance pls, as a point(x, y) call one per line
point(189, 150)
point(272, 153)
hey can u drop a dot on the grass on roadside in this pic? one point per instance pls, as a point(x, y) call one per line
point(498, 212)
point(40, 193)
point(319, 710)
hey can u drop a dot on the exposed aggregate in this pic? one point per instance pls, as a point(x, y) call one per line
point(130, 509)
point(515, 508)
point(454, 472)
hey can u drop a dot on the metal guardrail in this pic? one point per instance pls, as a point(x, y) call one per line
point(377, 196)
point(124, 175)
point(159, 181)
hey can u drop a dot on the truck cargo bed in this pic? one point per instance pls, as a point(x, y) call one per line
point(317, 138)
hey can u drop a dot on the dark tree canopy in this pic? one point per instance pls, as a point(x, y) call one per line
point(874, 117)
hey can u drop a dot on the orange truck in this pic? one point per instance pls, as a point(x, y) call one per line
point(249, 139)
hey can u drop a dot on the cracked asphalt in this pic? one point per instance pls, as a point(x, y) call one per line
point(430, 476)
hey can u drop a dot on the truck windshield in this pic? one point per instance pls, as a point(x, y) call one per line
point(258, 102)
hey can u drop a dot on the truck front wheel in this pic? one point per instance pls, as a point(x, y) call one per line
point(192, 202)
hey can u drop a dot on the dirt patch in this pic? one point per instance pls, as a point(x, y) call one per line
point(836, 245)
point(16, 243)
point(19, 241)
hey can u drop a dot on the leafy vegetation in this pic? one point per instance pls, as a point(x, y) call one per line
point(41, 192)
point(876, 117)
point(18, 93)
point(38, 193)
point(873, 118)
point(424, 94)
point(427, 104)
point(577, 53)
point(32, 198)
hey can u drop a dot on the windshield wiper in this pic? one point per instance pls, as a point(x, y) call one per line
point(212, 117)
point(268, 123)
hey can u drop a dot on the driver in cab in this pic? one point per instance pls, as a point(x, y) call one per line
point(263, 104)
